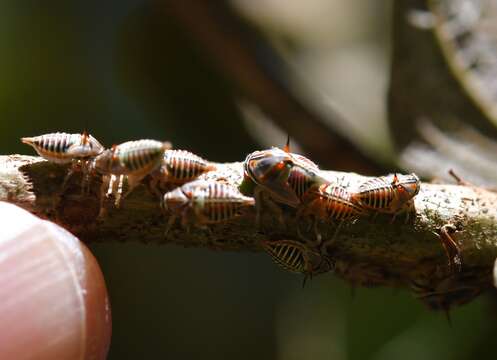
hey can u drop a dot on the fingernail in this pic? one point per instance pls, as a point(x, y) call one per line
point(53, 300)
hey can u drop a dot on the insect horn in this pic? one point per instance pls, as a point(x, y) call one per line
point(286, 148)
point(85, 138)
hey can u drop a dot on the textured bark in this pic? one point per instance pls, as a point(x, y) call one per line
point(371, 251)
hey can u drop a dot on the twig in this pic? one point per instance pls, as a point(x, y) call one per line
point(368, 252)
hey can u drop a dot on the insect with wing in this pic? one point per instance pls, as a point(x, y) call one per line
point(330, 203)
point(64, 148)
point(296, 257)
point(132, 160)
point(282, 176)
point(391, 194)
point(178, 167)
point(204, 202)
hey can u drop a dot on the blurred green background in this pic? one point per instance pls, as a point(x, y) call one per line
point(126, 70)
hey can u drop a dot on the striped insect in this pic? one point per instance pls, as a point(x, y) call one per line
point(133, 160)
point(330, 203)
point(296, 257)
point(178, 167)
point(205, 202)
point(269, 170)
point(63, 148)
point(283, 176)
point(181, 166)
point(391, 194)
point(303, 177)
point(443, 294)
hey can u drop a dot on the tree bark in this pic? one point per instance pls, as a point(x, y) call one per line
point(369, 252)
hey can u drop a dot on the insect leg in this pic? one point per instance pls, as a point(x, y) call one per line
point(325, 244)
point(170, 223)
point(319, 238)
point(258, 206)
point(119, 191)
point(452, 249)
point(260, 197)
point(133, 181)
point(103, 196)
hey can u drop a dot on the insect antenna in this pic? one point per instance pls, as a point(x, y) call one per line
point(305, 279)
point(85, 134)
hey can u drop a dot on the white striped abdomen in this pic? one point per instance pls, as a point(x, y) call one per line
point(181, 166)
point(131, 158)
point(339, 205)
point(377, 193)
point(290, 255)
point(62, 148)
point(216, 202)
point(331, 203)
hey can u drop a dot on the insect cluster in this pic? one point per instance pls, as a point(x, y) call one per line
point(295, 181)
point(280, 178)
point(172, 175)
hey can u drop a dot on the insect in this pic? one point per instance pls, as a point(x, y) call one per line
point(452, 249)
point(391, 194)
point(302, 179)
point(285, 177)
point(179, 167)
point(270, 170)
point(64, 148)
point(443, 294)
point(330, 203)
point(205, 202)
point(296, 257)
point(133, 160)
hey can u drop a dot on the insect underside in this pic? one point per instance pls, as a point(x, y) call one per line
point(392, 194)
point(178, 167)
point(331, 204)
point(64, 148)
point(296, 257)
point(281, 177)
point(132, 160)
point(205, 202)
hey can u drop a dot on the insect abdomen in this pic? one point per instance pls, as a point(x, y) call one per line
point(223, 202)
point(131, 158)
point(376, 194)
point(290, 255)
point(182, 166)
point(53, 147)
point(300, 181)
point(339, 205)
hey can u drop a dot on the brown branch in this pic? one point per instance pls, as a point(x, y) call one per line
point(367, 252)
